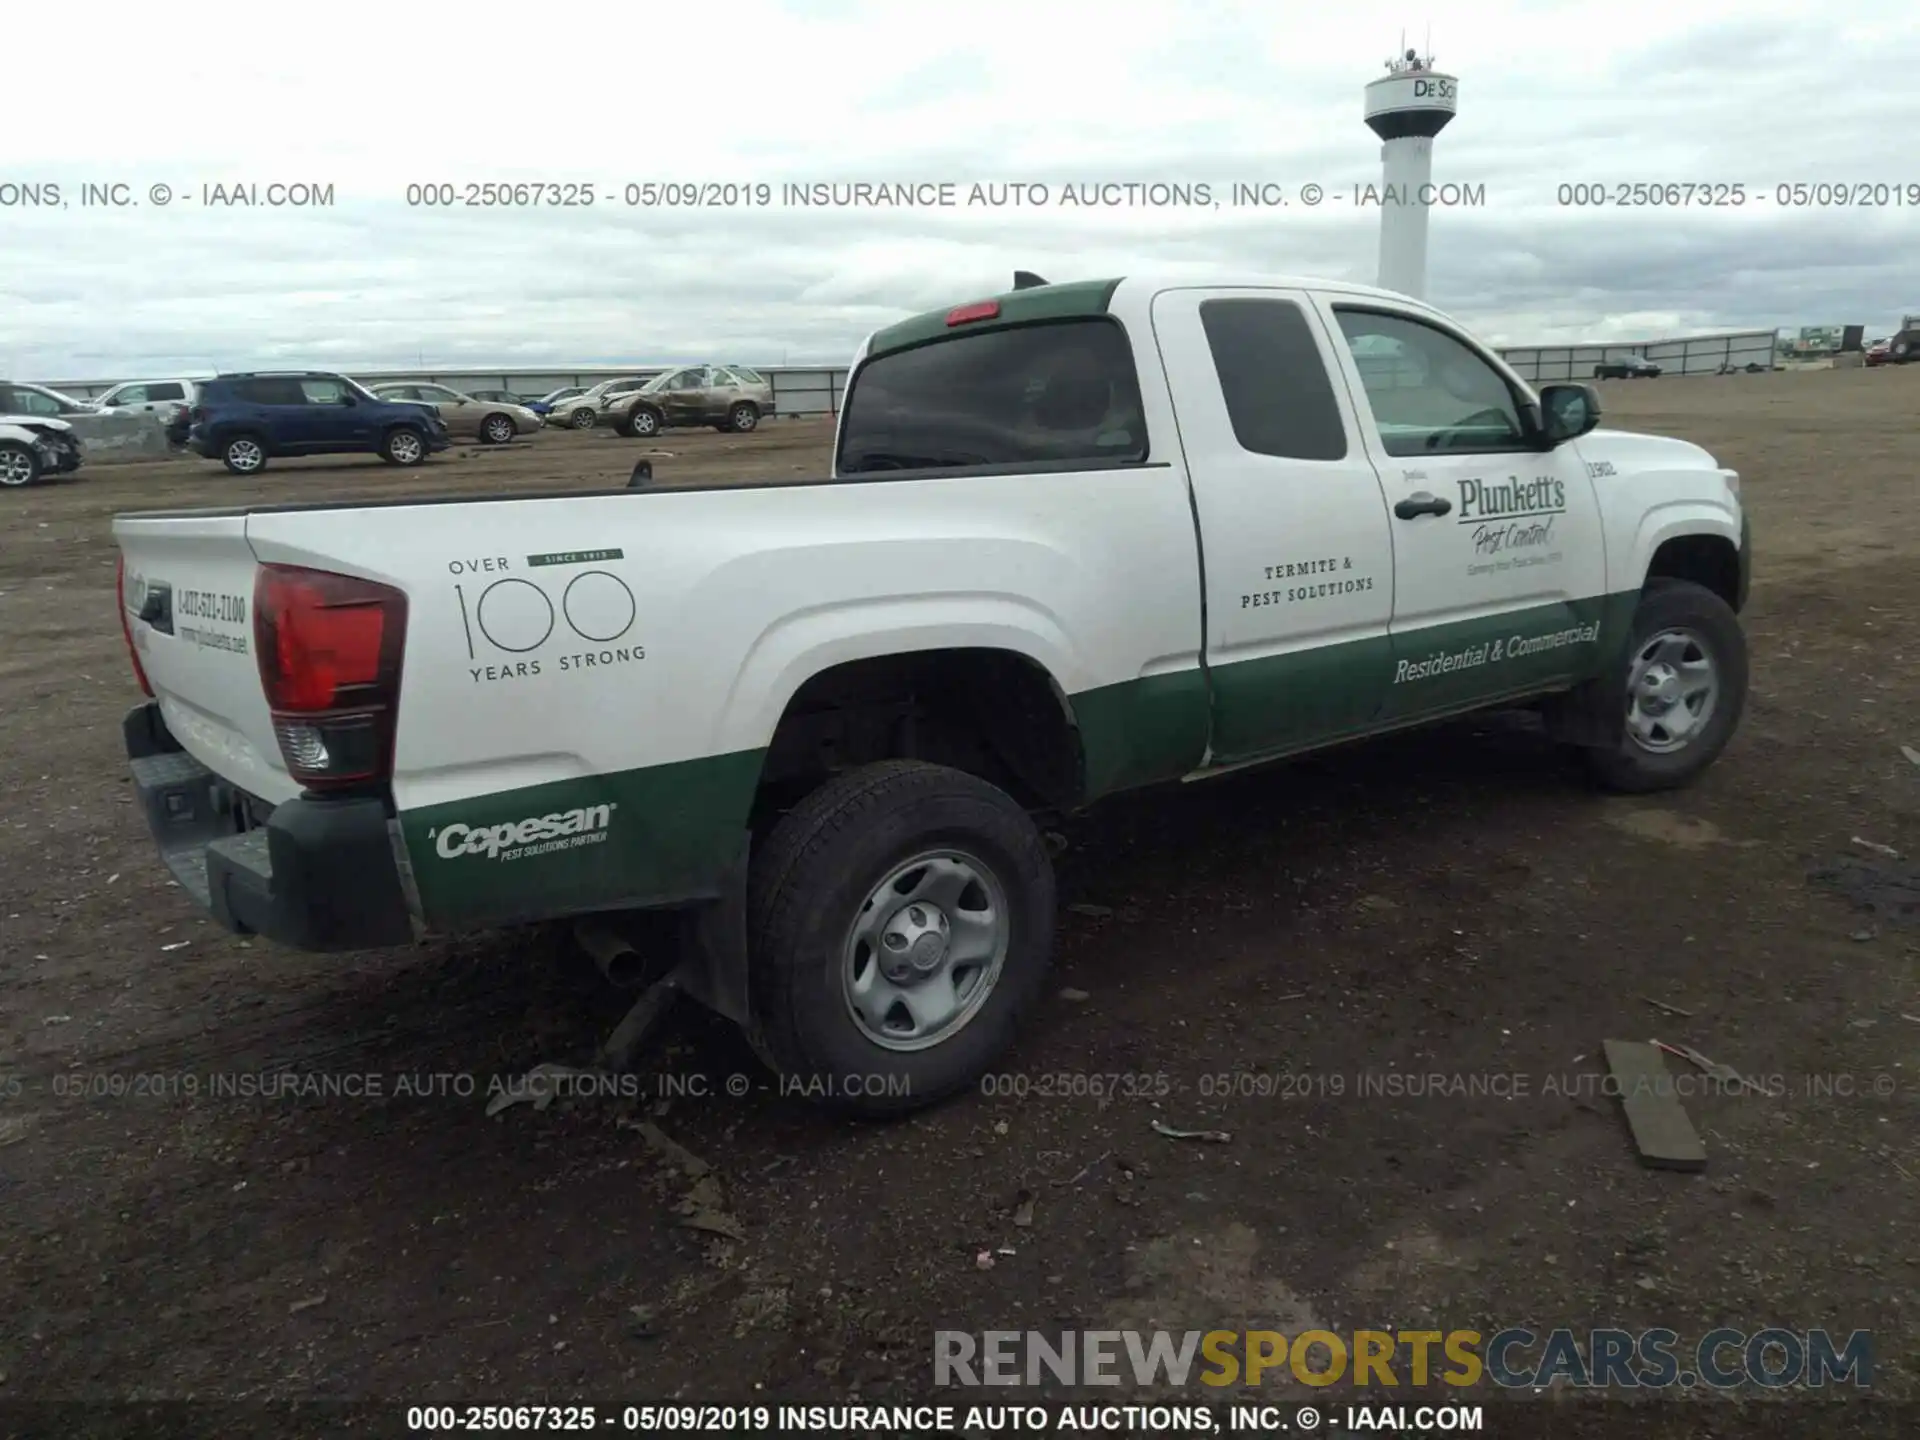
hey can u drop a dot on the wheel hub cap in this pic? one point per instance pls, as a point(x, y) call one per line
point(1672, 689)
point(925, 950)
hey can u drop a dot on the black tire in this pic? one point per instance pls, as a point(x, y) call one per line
point(812, 879)
point(1667, 605)
point(244, 454)
point(743, 417)
point(403, 445)
point(643, 422)
point(498, 429)
point(19, 466)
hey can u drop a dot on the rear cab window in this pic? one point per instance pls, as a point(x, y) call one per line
point(1058, 391)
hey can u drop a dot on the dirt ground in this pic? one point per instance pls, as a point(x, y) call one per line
point(1313, 940)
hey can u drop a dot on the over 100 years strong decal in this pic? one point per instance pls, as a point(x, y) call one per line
point(523, 627)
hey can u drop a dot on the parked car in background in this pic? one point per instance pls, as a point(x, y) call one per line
point(1877, 352)
point(722, 396)
point(503, 397)
point(244, 420)
point(164, 398)
point(32, 447)
point(544, 405)
point(585, 410)
point(17, 397)
point(491, 422)
point(1903, 347)
point(1632, 367)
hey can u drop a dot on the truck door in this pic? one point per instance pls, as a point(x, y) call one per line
point(1295, 539)
point(1499, 562)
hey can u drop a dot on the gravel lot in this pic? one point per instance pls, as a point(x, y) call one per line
point(1449, 903)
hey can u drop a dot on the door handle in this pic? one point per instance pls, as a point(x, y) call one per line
point(1421, 503)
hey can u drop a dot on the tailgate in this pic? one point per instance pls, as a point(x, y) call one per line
point(189, 598)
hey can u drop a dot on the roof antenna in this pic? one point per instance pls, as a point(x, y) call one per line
point(1026, 280)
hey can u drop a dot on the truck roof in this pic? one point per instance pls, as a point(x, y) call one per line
point(1069, 299)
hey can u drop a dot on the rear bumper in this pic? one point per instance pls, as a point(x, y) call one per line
point(317, 875)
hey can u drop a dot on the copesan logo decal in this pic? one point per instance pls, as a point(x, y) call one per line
point(515, 839)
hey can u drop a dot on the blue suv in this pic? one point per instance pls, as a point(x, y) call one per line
point(245, 420)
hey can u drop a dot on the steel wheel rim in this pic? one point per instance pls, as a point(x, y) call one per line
point(244, 455)
point(926, 950)
point(16, 466)
point(499, 431)
point(1673, 688)
point(405, 448)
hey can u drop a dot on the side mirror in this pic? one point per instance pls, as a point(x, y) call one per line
point(1567, 412)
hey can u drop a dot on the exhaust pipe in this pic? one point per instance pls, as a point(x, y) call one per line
point(623, 966)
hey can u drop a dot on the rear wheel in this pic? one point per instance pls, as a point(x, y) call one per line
point(403, 446)
point(497, 429)
point(18, 464)
point(1684, 685)
point(900, 923)
point(244, 455)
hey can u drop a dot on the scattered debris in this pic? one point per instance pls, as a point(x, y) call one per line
point(666, 1147)
point(1861, 936)
point(1914, 1018)
point(1211, 1137)
point(1095, 910)
point(1023, 1210)
point(641, 1326)
point(1000, 1127)
point(532, 1088)
point(714, 1223)
point(1296, 995)
point(1717, 1069)
point(1076, 995)
point(56, 1019)
point(1086, 1170)
point(1911, 753)
point(983, 1261)
point(307, 1304)
point(705, 1208)
point(1886, 850)
point(177, 945)
point(1661, 1130)
point(1670, 1009)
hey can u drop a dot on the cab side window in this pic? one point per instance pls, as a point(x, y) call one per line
point(1430, 392)
point(1278, 394)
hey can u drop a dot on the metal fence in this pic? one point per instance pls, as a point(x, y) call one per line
point(799, 391)
point(1694, 355)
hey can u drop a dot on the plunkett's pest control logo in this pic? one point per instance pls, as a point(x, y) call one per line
point(516, 839)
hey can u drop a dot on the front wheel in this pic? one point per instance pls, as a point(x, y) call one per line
point(497, 430)
point(900, 924)
point(1684, 686)
point(18, 464)
point(582, 419)
point(243, 455)
point(643, 423)
point(403, 447)
point(742, 418)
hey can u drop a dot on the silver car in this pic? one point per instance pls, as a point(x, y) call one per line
point(727, 397)
point(491, 422)
point(590, 407)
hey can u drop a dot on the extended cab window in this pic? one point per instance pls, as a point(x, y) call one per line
point(1278, 394)
point(1429, 391)
point(1061, 391)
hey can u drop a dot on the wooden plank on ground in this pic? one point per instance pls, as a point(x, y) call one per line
point(1661, 1130)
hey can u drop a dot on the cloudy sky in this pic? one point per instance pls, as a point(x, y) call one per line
point(370, 99)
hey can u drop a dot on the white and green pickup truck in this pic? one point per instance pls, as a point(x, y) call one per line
point(1078, 538)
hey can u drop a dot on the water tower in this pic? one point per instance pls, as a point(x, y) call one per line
point(1406, 108)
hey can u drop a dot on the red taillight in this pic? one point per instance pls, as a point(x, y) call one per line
point(979, 310)
point(329, 653)
point(126, 627)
